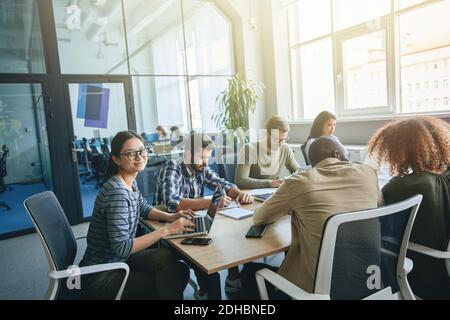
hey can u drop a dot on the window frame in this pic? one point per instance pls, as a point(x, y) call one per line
point(339, 80)
point(390, 24)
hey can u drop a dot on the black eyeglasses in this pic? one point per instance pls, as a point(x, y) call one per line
point(282, 140)
point(131, 155)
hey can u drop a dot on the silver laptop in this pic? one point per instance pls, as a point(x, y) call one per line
point(203, 222)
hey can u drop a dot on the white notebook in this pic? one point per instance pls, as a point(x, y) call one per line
point(237, 213)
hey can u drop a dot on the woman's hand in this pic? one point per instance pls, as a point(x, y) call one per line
point(187, 214)
point(244, 198)
point(179, 226)
point(276, 183)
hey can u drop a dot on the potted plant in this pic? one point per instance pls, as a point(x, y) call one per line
point(235, 103)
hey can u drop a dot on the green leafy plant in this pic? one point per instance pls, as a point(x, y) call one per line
point(236, 102)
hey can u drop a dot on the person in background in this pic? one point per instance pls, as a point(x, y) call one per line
point(333, 185)
point(175, 134)
point(260, 163)
point(180, 186)
point(162, 133)
point(324, 125)
point(154, 273)
point(417, 152)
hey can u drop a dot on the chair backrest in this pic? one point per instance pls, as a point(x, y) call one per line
point(305, 155)
point(147, 180)
point(447, 262)
point(227, 166)
point(363, 253)
point(105, 147)
point(53, 228)
point(152, 137)
point(3, 159)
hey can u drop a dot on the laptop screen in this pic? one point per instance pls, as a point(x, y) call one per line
point(213, 208)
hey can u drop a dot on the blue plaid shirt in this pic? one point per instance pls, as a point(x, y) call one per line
point(176, 181)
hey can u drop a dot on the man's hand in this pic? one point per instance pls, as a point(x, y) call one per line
point(187, 214)
point(179, 226)
point(276, 183)
point(244, 198)
point(225, 201)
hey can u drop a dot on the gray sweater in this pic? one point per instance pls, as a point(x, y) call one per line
point(256, 169)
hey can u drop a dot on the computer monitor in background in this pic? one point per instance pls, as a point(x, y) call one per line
point(152, 137)
point(356, 153)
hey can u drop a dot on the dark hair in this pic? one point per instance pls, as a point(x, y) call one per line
point(325, 147)
point(161, 128)
point(172, 129)
point(116, 146)
point(317, 127)
point(197, 140)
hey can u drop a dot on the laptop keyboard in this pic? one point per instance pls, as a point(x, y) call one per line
point(199, 225)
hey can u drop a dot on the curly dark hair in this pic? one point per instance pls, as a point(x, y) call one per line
point(413, 144)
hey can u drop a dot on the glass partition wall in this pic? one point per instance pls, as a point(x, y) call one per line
point(101, 67)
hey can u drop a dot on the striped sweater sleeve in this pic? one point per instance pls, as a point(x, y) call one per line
point(116, 211)
point(144, 206)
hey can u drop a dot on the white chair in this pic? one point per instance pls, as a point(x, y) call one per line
point(356, 248)
point(437, 254)
point(60, 246)
point(433, 253)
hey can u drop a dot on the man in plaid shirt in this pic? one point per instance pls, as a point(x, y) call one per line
point(180, 186)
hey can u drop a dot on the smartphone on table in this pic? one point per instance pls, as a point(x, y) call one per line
point(197, 241)
point(257, 231)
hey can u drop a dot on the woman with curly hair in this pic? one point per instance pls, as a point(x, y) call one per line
point(417, 152)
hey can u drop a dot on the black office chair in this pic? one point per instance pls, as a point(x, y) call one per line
point(227, 166)
point(93, 146)
point(105, 147)
point(305, 155)
point(60, 246)
point(3, 173)
point(99, 164)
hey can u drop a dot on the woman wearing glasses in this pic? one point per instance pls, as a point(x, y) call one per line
point(260, 163)
point(154, 273)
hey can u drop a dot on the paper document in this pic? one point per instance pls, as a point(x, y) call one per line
point(237, 213)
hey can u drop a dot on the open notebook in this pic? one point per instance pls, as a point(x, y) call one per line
point(236, 213)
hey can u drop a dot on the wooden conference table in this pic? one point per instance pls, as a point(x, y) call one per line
point(230, 248)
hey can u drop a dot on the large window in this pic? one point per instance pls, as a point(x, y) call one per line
point(178, 53)
point(20, 38)
point(364, 57)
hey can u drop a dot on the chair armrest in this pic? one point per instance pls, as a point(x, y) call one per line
point(57, 275)
point(285, 286)
point(428, 251)
point(88, 270)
